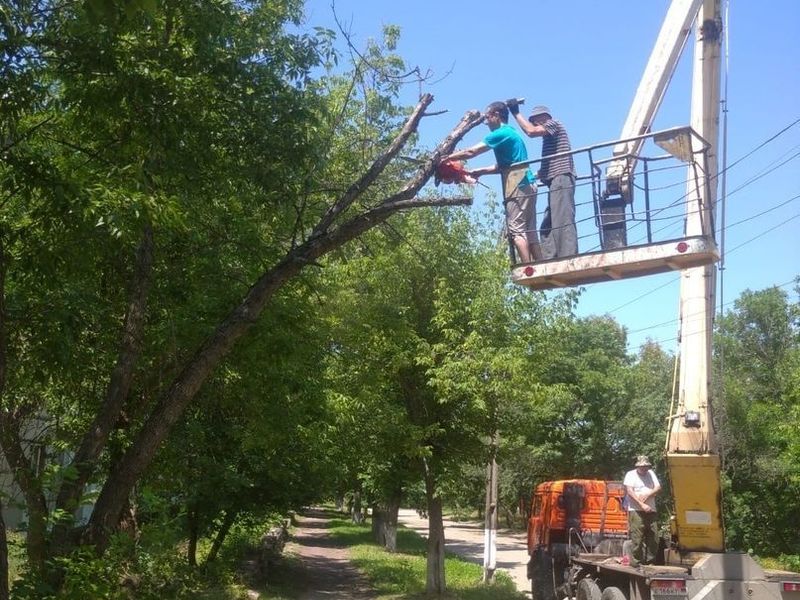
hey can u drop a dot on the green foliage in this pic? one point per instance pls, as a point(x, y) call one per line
point(789, 562)
point(381, 316)
point(190, 119)
point(759, 340)
point(16, 555)
point(200, 123)
point(205, 124)
point(255, 442)
point(152, 567)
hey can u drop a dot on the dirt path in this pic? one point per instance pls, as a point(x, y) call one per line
point(327, 572)
point(466, 539)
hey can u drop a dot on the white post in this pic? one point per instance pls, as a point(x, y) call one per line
point(490, 526)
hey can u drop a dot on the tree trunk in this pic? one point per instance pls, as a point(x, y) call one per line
point(490, 524)
point(3, 362)
point(36, 538)
point(35, 504)
point(96, 436)
point(129, 523)
point(384, 523)
point(390, 524)
point(379, 524)
point(224, 529)
point(3, 556)
point(435, 582)
point(525, 504)
point(194, 528)
point(357, 515)
point(326, 236)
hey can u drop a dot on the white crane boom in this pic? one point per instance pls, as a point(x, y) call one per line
point(675, 30)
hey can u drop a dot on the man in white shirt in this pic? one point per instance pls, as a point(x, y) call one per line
point(642, 485)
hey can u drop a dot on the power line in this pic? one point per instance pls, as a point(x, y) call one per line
point(762, 213)
point(761, 145)
point(781, 285)
point(738, 222)
point(763, 174)
point(763, 233)
point(792, 199)
point(673, 280)
point(749, 182)
point(682, 198)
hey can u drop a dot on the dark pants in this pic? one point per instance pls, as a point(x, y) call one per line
point(559, 237)
point(643, 529)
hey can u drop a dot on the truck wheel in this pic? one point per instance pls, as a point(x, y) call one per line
point(542, 576)
point(588, 590)
point(613, 593)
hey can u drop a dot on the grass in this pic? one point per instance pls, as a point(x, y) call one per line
point(401, 575)
point(784, 562)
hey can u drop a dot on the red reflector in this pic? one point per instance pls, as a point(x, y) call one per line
point(791, 586)
point(529, 271)
point(682, 247)
point(674, 586)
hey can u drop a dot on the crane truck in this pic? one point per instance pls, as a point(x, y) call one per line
point(577, 528)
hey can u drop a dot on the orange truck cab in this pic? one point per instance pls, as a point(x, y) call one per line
point(568, 517)
point(577, 511)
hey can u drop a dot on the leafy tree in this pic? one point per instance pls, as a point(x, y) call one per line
point(256, 441)
point(427, 323)
point(163, 181)
point(600, 408)
point(757, 347)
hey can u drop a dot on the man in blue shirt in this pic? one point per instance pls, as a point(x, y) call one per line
point(519, 187)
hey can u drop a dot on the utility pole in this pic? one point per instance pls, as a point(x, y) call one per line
point(490, 527)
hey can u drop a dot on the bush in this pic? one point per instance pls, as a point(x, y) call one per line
point(117, 575)
point(153, 567)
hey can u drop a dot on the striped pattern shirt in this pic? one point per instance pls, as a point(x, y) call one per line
point(555, 141)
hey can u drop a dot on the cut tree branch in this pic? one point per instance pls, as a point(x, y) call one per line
point(197, 369)
point(377, 167)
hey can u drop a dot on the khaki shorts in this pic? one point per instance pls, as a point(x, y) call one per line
point(521, 211)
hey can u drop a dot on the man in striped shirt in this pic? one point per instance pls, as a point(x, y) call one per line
point(559, 237)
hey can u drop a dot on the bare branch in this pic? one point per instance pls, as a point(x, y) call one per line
point(469, 121)
point(377, 167)
point(400, 205)
point(405, 77)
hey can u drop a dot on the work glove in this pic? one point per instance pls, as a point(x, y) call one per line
point(513, 106)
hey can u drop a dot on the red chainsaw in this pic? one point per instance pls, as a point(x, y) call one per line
point(452, 171)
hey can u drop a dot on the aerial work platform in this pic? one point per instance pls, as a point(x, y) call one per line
point(666, 227)
point(619, 263)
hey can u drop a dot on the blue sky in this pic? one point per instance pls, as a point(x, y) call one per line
point(584, 59)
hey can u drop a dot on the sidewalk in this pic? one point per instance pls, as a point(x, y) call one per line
point(466, 540)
